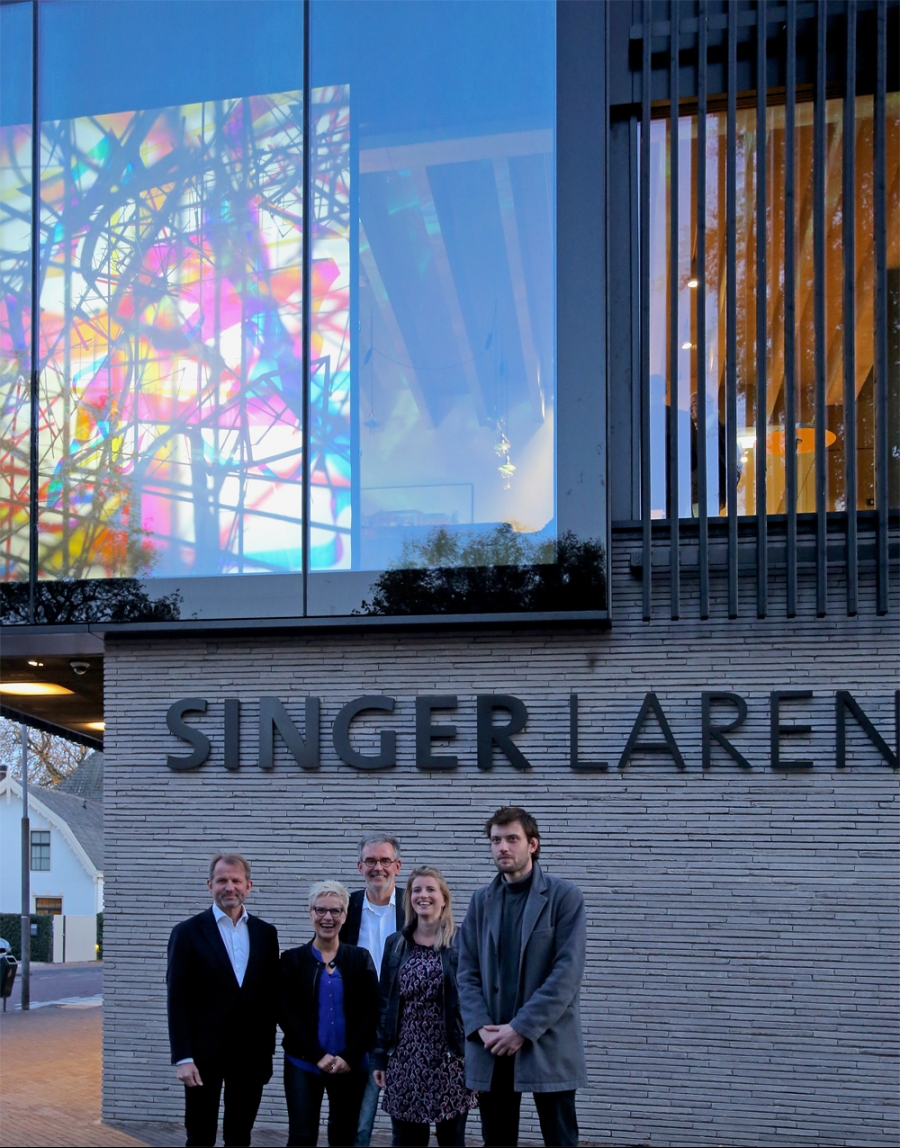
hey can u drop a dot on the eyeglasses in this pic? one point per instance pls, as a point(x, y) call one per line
point(384, 862)
point(326, 912)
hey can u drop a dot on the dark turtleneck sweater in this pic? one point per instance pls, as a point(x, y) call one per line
point(512, 909)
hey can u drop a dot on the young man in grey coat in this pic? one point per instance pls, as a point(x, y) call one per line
point(521, 961)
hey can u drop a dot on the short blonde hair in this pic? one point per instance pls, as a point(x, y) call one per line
point(332, 889)
point(447, 927)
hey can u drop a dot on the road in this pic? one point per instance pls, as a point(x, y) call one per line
point(60, 982)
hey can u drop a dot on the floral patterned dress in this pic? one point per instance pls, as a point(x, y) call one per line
point(425, 1082)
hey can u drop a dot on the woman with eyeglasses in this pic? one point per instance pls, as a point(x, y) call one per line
point(329, 1011)
point(419, 1059)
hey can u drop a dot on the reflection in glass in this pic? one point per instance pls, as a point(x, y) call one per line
point(500, 572)
point(706, 382)
point(15, 288)
point(171, 335)
point(433, 359)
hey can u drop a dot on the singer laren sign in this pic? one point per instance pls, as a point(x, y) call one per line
point(721, 715)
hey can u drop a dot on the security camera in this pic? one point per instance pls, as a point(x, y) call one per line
point(80, 667)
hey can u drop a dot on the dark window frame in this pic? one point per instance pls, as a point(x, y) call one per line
point(40, 850)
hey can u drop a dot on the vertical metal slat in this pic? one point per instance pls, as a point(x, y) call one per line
point(731, 313)
point(646, 505)
point(34, 425)
point(881, 319)
point(819, 312)
point(702, 508)
point(790, 415)
point(674, 539)
point(848, 245)
point(762, 549)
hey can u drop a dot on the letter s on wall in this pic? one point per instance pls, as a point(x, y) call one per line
point(194, 737)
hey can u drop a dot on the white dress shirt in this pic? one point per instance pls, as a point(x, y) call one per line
point(375, 926)
point(236, 936)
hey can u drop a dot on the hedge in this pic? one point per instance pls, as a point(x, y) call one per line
point(41, 945)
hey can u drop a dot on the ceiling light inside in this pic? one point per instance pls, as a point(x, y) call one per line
point(32, 689)
point(99, 725)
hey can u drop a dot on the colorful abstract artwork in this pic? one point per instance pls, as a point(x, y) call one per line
point(171, 398)
point(171, 341)
point(330, 378)
point(15, 343)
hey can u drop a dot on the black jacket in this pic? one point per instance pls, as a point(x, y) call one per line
point(211, 1016)
point(396, 953)
point(350, 929)
point(298, 1012)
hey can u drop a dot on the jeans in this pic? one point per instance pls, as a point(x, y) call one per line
point(201, 1109)
point(304, 1090)
point(367, 1112)
point(451, 1133)
point(500, 1111)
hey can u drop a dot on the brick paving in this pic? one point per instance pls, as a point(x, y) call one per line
point(50, 1089)
point(51, 1080)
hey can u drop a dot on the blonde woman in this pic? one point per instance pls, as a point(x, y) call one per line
point(420, 1049)
point(329, 1008)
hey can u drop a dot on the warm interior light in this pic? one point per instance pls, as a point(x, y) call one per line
point(30, 689)
point(687, 346)
point(31, 662)
point(101, 725)
point(693, 284)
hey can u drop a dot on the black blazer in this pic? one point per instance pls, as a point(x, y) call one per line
point(298, 1012)
point(396, 953)
point(350, 929)
point(211, 1017)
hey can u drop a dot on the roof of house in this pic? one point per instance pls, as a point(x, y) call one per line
point(76, 804)
point(83, 817)
point(86, 780)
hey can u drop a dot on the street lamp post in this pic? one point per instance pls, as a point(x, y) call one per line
point(26, 879)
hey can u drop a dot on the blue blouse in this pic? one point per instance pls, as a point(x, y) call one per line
point(332, 1031)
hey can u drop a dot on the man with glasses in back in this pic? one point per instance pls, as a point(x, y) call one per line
point(375, 913)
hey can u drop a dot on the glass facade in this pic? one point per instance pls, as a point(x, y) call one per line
point(433, 393)
point(182, 374)
point(15, 289)
point(171, 311)
point(705, 382)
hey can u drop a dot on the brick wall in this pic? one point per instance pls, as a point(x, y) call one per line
point(741, 984)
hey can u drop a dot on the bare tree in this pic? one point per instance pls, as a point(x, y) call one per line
point(50, 758)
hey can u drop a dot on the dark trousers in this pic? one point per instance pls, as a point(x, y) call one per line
point(450, 1133)
point(304, 1091)
point(500, 1111)
point(201, 1108)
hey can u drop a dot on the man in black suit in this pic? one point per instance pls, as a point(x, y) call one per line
point(375, 913)
point(222, 980)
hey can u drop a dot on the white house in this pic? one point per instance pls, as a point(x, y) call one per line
point(66, 847)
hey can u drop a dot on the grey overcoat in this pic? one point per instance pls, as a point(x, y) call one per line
point(550, 970)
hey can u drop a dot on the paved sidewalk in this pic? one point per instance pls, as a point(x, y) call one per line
point(51, 1080)
point(50, 1092)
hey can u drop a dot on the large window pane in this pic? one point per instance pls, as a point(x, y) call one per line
point(15, 288)
point(171, 310)
point(706, 382)
point(433, 359)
